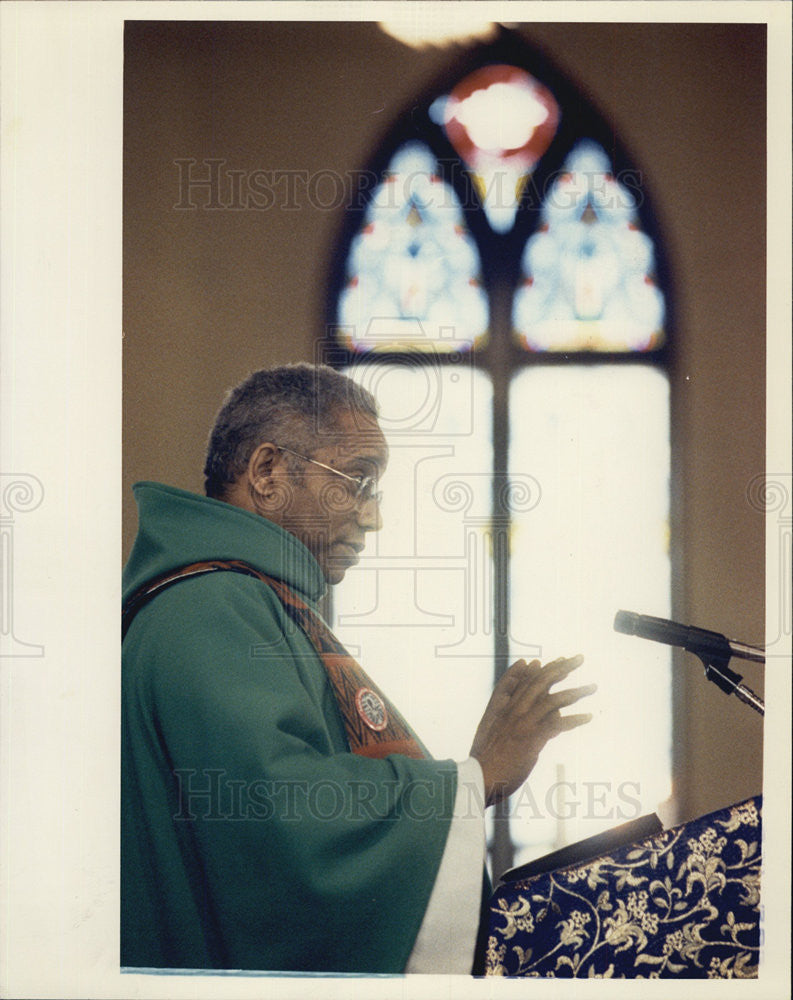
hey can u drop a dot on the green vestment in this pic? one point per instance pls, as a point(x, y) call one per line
point(252, 838)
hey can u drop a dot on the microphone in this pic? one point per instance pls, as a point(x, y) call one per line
point(714, 649)
point(702, 642)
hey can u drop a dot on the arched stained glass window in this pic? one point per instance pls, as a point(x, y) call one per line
point(588, 271)
point(413, 271)
point(500, 285)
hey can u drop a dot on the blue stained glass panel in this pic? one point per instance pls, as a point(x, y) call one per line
point(588, 272)
point(413, 270)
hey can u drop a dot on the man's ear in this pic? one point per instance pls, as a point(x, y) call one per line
point(260, 467)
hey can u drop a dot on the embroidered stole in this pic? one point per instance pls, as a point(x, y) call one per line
point(375, 728)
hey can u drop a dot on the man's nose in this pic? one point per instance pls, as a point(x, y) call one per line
point(369, 516)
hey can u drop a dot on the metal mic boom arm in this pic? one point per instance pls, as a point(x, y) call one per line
point(712, 648)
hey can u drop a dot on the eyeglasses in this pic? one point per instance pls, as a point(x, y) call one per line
point(364, 489)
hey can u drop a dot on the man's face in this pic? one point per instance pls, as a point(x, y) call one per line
point(320, 509)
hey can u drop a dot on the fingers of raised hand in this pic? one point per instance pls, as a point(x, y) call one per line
point(558, 669)
point(516, 678)
point(521, 672)
point(542, 679)
point(555, 723)
point(543, 712)
point(564, 723)
point(533, 690)
point(561, 699)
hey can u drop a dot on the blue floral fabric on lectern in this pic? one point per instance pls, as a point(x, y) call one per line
point(684, 903)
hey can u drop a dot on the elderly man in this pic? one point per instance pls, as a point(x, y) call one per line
point(278, 813)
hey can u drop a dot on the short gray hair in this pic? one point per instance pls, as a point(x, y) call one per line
point(291, 405)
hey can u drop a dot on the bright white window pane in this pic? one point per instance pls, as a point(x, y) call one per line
point(596, 439)
point(416, 611)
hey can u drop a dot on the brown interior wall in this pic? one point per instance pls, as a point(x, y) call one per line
point(212, 294)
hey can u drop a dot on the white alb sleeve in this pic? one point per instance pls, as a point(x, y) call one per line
point(447, 937)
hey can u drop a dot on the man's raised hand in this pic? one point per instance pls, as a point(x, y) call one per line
point(520, 718)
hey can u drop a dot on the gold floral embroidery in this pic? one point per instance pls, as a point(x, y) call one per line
point(683, 903)
point(495, 957)
point(518, 917)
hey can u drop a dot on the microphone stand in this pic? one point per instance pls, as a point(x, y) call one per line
point(716, 670)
